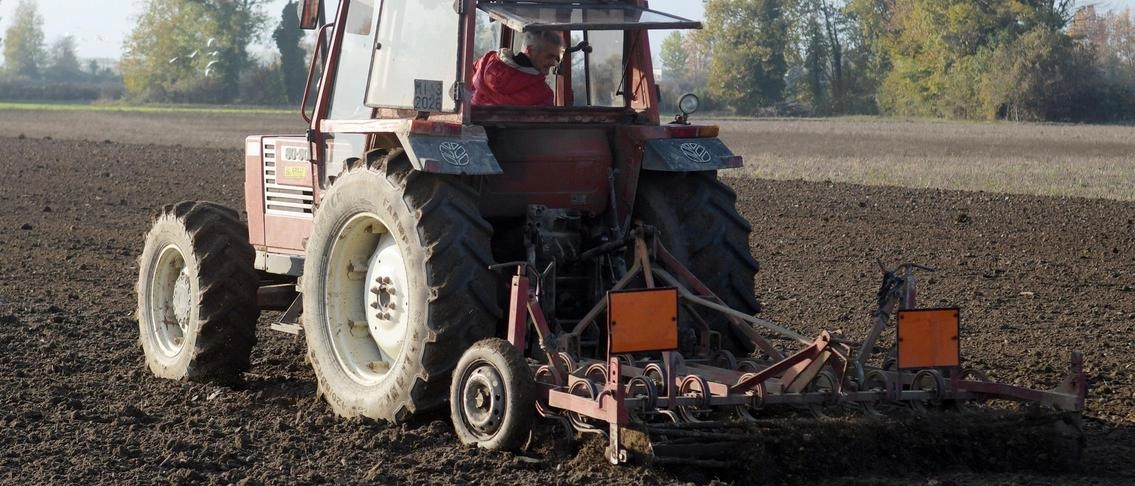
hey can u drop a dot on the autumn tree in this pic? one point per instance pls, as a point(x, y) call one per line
point(943, 51)
point(748, 39)
point(24, 53)
point(1041, 75)
point(683, 71)
point(190, 50)
point(1111, 38)
point(675, 59)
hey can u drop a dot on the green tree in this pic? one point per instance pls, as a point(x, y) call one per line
point(23, 46)
point(942, 51)
point(63, 62)
point(190, 50)
point(1042, 75)
point(288, 37)
point(748, 39)
point(815, 60)
point(680, 71)
point(238, 24)
point(675, 59)
point(869, 22)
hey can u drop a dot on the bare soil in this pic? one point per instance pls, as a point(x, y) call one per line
point(1036, 278)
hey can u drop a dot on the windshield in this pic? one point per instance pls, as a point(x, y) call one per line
point(606, 43)
point(597, 76)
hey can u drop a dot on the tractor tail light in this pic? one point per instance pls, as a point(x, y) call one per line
point(440, 129)
point(693, 131)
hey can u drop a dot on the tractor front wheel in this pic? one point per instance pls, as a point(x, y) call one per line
point(196, 290)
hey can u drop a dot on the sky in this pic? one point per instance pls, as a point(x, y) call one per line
point(100, 26)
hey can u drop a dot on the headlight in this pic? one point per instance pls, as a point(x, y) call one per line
point(688, 103)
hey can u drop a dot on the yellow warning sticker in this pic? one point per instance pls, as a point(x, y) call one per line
point(295, 172)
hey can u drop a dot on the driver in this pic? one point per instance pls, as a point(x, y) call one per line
point(504, 78)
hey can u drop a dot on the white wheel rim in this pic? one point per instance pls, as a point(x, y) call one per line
point(366, 299)
point(171, 298)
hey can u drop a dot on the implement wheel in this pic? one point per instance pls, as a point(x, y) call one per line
point(493, 396)
point(395, 286)
point(697, 216)
point(196, 291)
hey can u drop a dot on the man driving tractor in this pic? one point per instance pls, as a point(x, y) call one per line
point(504, 78)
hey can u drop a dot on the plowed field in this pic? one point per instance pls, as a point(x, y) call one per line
point(1036, 278)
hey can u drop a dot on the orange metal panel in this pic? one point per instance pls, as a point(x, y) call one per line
point(928, 338)
point(642, 320)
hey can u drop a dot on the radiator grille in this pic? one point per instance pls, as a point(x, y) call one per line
point(283, 200)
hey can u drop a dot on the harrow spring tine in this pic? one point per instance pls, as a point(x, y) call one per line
point(678, 461)
point(696, 426)
point(716, 436)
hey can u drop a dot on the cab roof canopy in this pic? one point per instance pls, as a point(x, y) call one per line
point(561, 15)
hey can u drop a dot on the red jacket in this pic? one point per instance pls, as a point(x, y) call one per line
point(499, 80)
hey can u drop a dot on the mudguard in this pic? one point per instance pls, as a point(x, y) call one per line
point(688, 155)
point(450, 155)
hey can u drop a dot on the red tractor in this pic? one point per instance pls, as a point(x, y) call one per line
point(624, 289)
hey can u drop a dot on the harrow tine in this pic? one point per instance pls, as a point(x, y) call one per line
point(721, 436)
point(678, 461)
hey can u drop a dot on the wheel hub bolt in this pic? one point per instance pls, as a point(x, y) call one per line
point(480, 400)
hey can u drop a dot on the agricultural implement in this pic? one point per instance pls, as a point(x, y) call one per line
point(662, 406)
point(627, 304)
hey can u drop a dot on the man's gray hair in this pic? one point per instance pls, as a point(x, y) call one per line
point(543, 38)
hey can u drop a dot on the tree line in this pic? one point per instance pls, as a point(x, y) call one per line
point(992, 59)
point(179, 51)
point(35, 70)
point(989, 59)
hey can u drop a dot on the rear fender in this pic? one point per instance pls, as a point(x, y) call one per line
point(688, 155)
point(463, 155)
point(439, 148)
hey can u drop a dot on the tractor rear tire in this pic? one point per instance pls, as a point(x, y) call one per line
point(396, 286)
point(196, 289)
point(697, 217)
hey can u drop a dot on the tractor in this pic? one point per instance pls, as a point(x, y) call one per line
point(580, 262)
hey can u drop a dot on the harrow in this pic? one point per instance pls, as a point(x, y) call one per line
point(659, 405)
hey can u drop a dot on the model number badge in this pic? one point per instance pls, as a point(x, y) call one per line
point(427, 95)
point(295, 153)
point(295, 172)
point(696, 152)
point(454, 153)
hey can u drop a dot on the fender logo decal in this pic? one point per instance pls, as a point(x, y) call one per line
point(696, 152)
point(454, 153)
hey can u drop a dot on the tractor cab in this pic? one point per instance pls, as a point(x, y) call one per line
point(399, 73)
